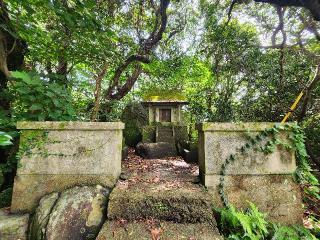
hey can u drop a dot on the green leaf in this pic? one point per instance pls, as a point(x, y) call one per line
point(5, 139)
point(36, 106)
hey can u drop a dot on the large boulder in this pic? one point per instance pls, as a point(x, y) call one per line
point(156, 150)
point(135, 117)
point(78, 214)
point(13, 227)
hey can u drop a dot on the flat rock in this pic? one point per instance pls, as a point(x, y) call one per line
point(12, 226)
point(78, 214)
point(183, 205)
point(160, 230)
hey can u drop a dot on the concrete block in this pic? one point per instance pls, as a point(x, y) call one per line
point(59, 155)
point(217, 141)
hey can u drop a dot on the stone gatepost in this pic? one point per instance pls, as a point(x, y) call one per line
point(55, 156)
point(264, 179)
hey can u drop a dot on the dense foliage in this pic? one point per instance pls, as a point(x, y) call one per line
point(93, 60)
point(35, 99)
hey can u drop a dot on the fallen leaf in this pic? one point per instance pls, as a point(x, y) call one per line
point(155, 233)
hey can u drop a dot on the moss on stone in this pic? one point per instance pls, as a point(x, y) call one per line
point(148, 133)
point(62, 125)
point(169, 230)
point(178, 205)
point(160, 95)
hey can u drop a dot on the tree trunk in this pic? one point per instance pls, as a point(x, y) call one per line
point(12, 51)
point(97, 93)
point(307, 94)
point(116, 90)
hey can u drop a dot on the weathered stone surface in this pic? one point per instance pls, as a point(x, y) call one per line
point(33, 187)
point(78, 214)
point(182, 205)
point(264, 179)
point(156, 150)
point(277, 195)
point(148, 134)
point(13, 227)
point(217, 141)
point(165, 134)
point(72, 125)
point(124, 153)
point(166, 231)
point(55, 152)
point(37, 228)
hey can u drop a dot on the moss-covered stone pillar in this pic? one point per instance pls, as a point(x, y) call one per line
point(59, 155)
point(264, 179)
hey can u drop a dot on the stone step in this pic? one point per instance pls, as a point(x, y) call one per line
point(180, 205)
point(165, 133)
point(146, 230)
point(170, 140)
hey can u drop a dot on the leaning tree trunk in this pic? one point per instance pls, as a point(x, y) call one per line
point(117, 90)
point(12, 51)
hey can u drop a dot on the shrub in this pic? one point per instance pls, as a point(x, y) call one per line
point(252, 225)
point(5, 139)
point(243, 225)
point(37, 99)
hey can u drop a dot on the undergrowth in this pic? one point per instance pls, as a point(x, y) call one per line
point(252, 225)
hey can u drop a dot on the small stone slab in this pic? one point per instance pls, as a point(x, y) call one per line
point(13, 227)
point(156, 150)
point(164, 230)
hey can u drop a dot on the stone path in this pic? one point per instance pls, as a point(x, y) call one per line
point(159, 199)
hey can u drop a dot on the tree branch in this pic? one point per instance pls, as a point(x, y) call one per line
point(143, 55)
point(233, 3)
point(307, 95)
point(97, 92)
point(312, 5)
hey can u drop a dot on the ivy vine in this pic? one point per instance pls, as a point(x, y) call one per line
point(260, 143)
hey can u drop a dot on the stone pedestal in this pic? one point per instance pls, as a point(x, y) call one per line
point(264, 179)
point(59, 155)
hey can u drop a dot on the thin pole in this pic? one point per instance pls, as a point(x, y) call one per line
point(293, 107)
